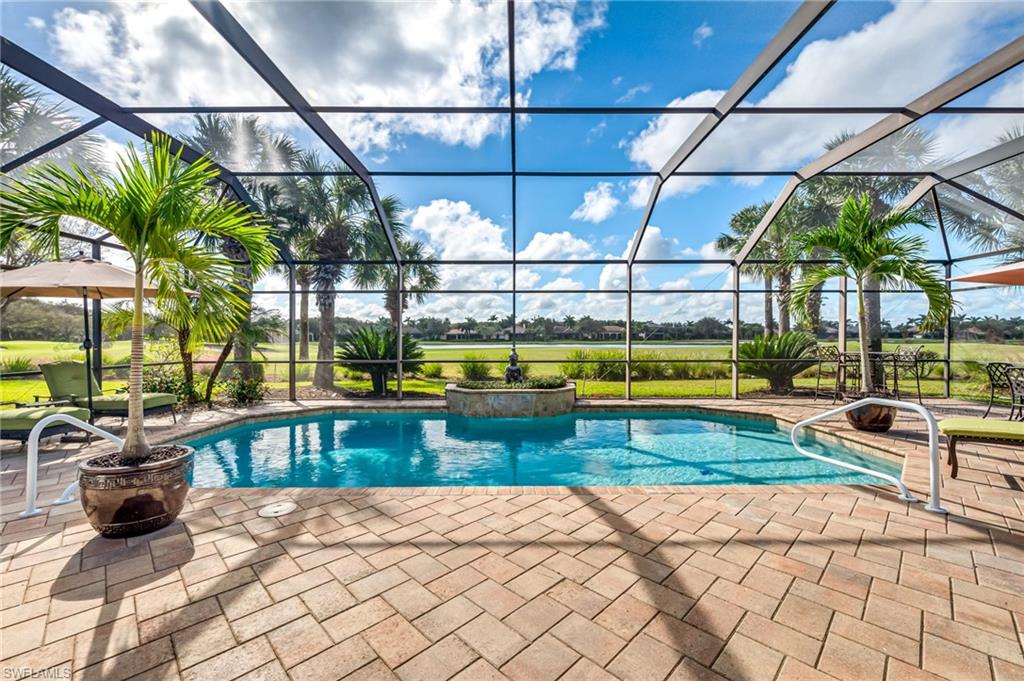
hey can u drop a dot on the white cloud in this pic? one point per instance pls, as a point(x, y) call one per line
point(845, 70)
point(438, 53)
point(702, 33)
point(36, 23)
point(632, 92)
point(455, 231)
point(598, 205)
point(556, 246)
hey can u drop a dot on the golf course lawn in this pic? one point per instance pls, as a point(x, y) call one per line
point(541, 360)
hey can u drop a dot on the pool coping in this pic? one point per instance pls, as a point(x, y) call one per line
point(819, 435)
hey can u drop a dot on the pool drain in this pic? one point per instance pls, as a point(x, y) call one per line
point(277, 509)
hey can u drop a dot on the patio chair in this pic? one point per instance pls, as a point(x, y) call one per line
point(974, 429)
point(17, 423)
point(1015, 377)
point(66, 381)
point(997, 381)
point(906, 360)
point(827, 354)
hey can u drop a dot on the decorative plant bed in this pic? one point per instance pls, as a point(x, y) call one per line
point(496, 399)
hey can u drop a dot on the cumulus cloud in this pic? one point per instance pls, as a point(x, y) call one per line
point(702, 33)
point(438, 53)
point(599, 204)
point(36, 23)
point(557, 246)
point(846, 70)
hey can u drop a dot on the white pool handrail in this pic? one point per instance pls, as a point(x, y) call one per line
point(32, 463)
point(935, 501)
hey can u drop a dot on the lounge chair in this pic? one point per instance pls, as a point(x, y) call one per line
point(66, 381)
point(973, 429)
point(17, 423)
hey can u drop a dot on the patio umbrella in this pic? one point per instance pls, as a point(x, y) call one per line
point(81, 276)
point(1008, 275)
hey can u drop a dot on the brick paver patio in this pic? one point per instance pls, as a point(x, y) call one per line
point(745, 583)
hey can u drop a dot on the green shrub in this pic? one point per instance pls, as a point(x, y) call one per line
point(649, 366)
point(778, 358)
point(11, 365)
point(572, 369)
point(595, 365)
point(361, 347)
point(432, 370)
point(169, 379)
point(243, 392)
point(473, 369)
point(546, 383)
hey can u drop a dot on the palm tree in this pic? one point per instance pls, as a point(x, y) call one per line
point(163, 212)
point(871, 249)
point(775, 246)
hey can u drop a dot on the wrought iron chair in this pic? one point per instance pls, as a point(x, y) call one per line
point(1015, 377)
point(997, 380)
point(827, 354)
point(907, 360)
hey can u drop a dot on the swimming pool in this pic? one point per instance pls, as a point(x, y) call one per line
point(401, 449)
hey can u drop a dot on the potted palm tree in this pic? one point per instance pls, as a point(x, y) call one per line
point(168, 217)
point(869, 248)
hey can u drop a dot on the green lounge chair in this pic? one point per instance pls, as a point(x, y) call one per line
point(974, 429)
point(16, 424)
point(66, 381)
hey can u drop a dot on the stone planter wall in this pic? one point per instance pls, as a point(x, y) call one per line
point(510, 403)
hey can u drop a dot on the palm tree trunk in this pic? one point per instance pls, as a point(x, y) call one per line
point(135, 444)
point(323, 376)
point(769, 313)
point(393, 305)
point(785, 281)
point(814, 310)
point(873, 312)
point(186, 356)
point(218, 365)
point(867, 378)
point(304, 321)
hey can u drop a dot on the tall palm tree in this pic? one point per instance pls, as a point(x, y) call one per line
point(246, 143)
point(871, 250)
point(776, 246)
point(163, 212)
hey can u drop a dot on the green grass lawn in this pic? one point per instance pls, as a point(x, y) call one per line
point(542, 361)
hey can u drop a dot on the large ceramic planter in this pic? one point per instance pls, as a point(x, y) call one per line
point(126, 501)
point(510, 402)
point(872, 418)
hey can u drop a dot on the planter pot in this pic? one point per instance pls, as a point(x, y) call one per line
point(125, 501)
point(872, 418)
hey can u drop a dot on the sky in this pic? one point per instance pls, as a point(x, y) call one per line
point(661, 54)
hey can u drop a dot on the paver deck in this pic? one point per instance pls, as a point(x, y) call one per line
point(744, 583)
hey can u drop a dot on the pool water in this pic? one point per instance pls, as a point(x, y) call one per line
point(437, 449)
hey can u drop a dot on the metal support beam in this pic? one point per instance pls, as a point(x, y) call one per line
point(52, 144)
point(291, 333)
point(985, 199)
point(788, 36)
point(735, 350)
point(400, 331)
point(629, 332)
point(971, 164)
point(998, 62)
point(25, 62)
point(947, 339)
point(97, 329)
point(510, 19)
point(843, 292)
point(239, 39)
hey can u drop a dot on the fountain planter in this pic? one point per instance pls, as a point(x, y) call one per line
point(126, 501)
point(510, 402)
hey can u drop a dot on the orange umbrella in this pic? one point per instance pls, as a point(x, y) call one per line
point(1008, 275)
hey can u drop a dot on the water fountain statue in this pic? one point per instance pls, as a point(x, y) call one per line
point(513, 372)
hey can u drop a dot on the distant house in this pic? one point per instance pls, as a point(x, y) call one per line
point(520, 332)
point(563, 332)
point(612, 333)
point(457, 334)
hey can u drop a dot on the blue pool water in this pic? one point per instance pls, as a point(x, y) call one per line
point(436, 449)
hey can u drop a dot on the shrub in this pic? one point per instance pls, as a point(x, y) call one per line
point(432, 370)
point(473, 369)
point(778, 358)
point(12, 365)
point(361, 347)
point(596, 365)
point(649, 366)
point(546, 383)
point(245, 391)
point(169, 379)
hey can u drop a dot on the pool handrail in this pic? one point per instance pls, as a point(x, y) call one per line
point(935, 501)
point(32, 462)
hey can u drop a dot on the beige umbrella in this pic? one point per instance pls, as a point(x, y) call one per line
point(81, 276)
point(1008, 275)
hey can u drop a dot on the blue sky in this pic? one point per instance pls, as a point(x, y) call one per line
point(568, 54)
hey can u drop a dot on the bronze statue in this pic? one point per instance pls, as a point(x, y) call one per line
point(513, 372)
